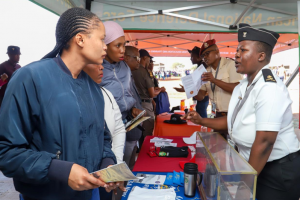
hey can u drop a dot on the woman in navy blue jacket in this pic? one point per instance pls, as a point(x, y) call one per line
point(53, 132)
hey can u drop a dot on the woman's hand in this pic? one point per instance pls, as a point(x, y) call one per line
point(135, 112)
point(193, 116)
point(112, 186)
point(80, 179)
point(4, 77)
point(121, 187)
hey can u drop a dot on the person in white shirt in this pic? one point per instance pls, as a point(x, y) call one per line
point(260, 120)
point(281, 73)
point(112, 115)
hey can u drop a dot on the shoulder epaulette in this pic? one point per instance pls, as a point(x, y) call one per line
point(268, 76)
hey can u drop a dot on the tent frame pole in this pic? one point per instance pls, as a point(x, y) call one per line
point(168, 12)
point(269, 9)
point(88, 4)
point(243, 13)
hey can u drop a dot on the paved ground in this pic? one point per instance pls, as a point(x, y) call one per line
point(7, 191)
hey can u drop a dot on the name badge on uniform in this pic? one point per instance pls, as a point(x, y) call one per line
point(213, 109)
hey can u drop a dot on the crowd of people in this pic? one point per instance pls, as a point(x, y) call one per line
point(64, 116)
point(166, 74)
point(281, 72)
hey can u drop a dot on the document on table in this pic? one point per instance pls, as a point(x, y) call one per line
point(152, 194)
point(192, 83)
point(115, 173)
point(151, 179)
point(157, 139)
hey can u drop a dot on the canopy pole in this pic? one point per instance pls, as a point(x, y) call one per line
point(243, 13)
point(88, 4)
point(298, 3)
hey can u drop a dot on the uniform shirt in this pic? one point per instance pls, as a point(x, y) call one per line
point(268, 108)
point(9, 69)
point(227, 73)
point(153, 78)
point(143, 82)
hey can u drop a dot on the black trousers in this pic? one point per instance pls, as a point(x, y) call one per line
point(279, 180)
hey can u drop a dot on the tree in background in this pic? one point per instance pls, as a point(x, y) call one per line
point(194, 67)
point(177, 65)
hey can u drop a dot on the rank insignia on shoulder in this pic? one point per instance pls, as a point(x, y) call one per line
point(268, 76)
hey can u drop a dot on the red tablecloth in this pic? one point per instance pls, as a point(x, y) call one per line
point(159, 164)
point(165, 129)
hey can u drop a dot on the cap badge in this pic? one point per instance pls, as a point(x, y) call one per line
point(191, 92)
point(205, 45)
point(13, 49)
point(244, 34)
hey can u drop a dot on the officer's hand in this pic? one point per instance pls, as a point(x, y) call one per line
point(207, 76)
point(181, 89)
point(193, 116)
point(4, 77)
point(121, 187)
point(135, 112)
point(80, 179)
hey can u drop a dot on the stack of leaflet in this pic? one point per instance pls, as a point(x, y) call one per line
point(163, 142)
point(152, 194)
point(175, 179)
point(150, 179)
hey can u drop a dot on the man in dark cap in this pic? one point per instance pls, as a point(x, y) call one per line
point(222, 79)
point(196, 59)
point(9, 67)
point(146, 90)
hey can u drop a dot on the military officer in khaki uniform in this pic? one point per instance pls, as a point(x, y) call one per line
point(222, 79)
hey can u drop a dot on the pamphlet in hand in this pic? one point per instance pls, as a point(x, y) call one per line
point(115, 173)
point(136, 121)
point(192, 83)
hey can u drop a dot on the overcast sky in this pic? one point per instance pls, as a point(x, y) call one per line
point(32, 28)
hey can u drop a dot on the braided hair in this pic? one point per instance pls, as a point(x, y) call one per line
point(71, 22)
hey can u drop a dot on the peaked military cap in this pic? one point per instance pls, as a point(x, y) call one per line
point(13, 50)
point(246, 32)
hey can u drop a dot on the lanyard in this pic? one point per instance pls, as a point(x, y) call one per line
point(214, 85)
point(240, 104)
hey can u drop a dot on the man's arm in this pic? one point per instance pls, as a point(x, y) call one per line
point(163, 89)
point(201, 95)
point(228, 87)
point(216, 123)
point(153, 92)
